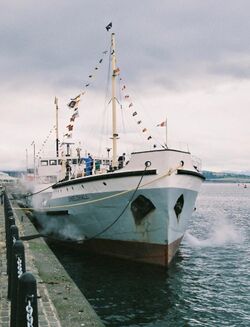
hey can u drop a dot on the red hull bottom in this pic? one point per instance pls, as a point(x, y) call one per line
point(157, 254)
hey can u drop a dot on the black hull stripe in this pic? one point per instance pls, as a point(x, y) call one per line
point(103, 177)
point(190, 173)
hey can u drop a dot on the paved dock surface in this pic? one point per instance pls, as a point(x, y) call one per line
point(60, 302)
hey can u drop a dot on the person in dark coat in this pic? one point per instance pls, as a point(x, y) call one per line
point(121, 161)
point(91, 164)
point(68, 170)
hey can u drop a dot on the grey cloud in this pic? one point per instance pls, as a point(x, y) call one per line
point(57, 39)
point(50, 47)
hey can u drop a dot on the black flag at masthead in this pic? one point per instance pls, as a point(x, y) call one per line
point(109, 26)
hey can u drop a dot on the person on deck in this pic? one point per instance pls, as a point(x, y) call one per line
point(121, 161)
point(91, 164)
point(68, 170)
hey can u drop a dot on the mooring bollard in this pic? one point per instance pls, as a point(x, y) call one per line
point(17, 269)
point(10, 221)
point(9, 213)
point(5, 198)
point(13, 237)
point(2, 192)
point(9, 210)
point(27, 314)
point(6, 203)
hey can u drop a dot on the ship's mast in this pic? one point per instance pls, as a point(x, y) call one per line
point(114, 128)
point(34, 158)
point(57, 138)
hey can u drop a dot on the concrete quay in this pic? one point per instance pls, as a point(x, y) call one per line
point(60, 302)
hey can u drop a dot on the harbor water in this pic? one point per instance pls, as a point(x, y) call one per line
point(208, 283)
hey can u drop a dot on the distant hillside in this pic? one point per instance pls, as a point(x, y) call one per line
point(226, 177)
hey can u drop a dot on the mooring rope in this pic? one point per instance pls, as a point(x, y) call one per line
point(35, 193)
point(147, 164)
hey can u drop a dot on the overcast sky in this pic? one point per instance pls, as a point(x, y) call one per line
point(185, 60)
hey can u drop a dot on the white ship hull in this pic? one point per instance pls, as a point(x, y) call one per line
point(147, 228)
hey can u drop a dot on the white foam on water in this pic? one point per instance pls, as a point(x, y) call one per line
point(222, 233)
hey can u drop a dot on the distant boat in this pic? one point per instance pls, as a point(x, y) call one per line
point(137, 210)
point(7, 180)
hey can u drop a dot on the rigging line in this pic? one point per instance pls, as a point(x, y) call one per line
point(167, 174)
point(140, 106)
point(108, 77)
point(121, 107)
point(45, 141)
point(84, 90)
point(162, 144)
point(103, 131)
point(46, 188)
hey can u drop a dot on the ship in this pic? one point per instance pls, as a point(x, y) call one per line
point(137, 209)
